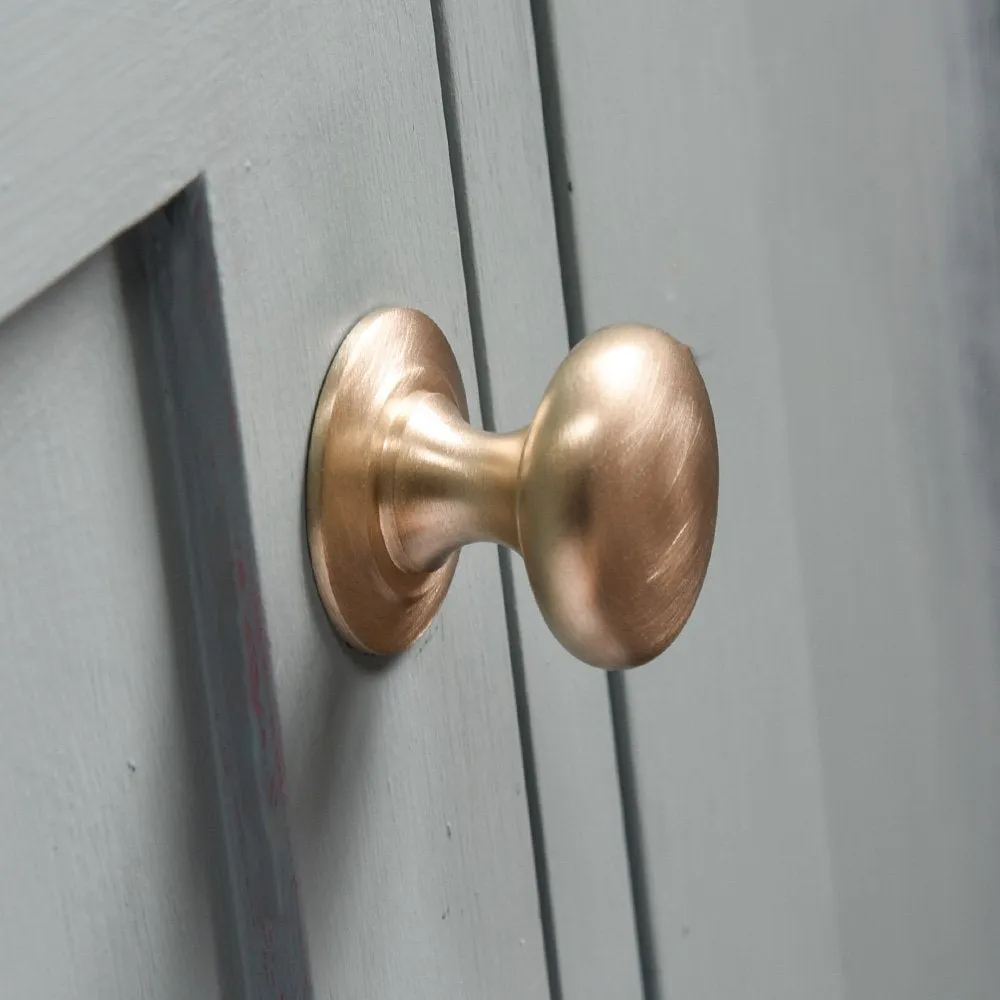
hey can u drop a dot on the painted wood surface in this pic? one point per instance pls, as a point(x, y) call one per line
point(107, 113)
point(879, 207)
point(405, 782)
point(807, 194)
point(500, 166)
point(170, 277)
point(102, 861)
point(322, 140)
point(662, 222)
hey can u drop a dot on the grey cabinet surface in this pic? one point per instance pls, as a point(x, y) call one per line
point(204, 793)
point(319, 133)
point(807, 190)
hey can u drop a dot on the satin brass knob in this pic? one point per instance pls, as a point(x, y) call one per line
point(610, 494)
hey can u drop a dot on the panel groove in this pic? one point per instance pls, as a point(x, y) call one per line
point(646, 941)
point(451, 118)
point(175, 302)
point(562, 190)
point(559, 178)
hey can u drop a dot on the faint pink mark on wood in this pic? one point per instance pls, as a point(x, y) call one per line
point(276, 785)
point(267, 951)
point(254, 639)
point(253, 667)
point(268, 728)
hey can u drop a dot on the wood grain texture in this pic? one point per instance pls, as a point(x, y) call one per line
point(512, 269)
point(101, 856)
point(320, 132)
point(660, 141)
point(108, 110)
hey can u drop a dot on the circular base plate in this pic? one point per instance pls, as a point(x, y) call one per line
point(389, 354)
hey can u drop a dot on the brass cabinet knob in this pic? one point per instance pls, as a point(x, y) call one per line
point(610, 494)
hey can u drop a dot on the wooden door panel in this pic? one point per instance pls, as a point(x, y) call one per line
point(321, 145)
point(405, 783)
point(657, 202)
point(108, 110)
point(878, 197)
point(806, 193)
point(499, 160)
point(101, 837)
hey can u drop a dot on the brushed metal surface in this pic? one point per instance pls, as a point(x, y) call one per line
point(610, 494)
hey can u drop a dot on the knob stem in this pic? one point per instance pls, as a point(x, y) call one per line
point(443, 484)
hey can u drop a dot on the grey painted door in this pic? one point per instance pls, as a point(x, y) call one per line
point(203, 791)
point(805, 190)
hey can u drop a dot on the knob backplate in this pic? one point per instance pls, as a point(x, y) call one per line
point(389, 356)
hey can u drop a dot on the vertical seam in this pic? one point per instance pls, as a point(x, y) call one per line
point(569, 267)
point(449, 101)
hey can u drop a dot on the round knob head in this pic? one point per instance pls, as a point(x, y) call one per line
point(618, 494)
